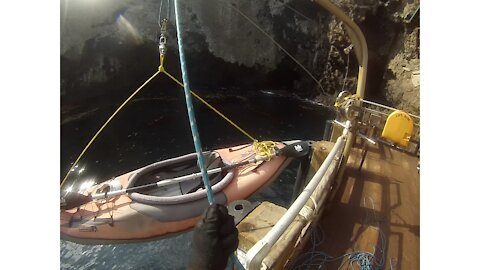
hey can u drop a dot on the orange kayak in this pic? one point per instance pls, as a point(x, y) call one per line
point(169, 209)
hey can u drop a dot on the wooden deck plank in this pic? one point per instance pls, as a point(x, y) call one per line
point(383, 196)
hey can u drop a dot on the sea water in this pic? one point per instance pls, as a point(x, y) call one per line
point(155, 128)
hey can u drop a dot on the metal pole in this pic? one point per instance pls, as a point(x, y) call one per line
point(361, 52)
point(358, 40)
point(387, 107)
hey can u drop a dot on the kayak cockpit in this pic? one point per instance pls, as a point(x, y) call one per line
point(170, 169)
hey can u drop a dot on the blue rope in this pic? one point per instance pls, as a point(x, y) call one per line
point(191, 113)
point(193, 123)
point(363, 259)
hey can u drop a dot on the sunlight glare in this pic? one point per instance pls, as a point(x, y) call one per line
point(87, 184)
point(126, 26)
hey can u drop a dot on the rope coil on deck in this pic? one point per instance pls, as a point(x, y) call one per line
point(363, 259)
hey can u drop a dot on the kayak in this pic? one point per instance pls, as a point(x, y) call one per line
point(176, 201)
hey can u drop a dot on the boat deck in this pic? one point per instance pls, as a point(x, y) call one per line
point(381, 199)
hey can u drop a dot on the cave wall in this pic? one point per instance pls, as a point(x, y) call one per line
point(109, 47)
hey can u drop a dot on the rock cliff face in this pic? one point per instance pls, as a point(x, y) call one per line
point(392, 31)
point(109, 47)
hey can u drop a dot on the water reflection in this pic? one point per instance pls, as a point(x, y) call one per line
point(170, 253)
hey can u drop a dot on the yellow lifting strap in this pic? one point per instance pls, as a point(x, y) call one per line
point(398, 128)
point(266, 148)
point(105, 124)
point(210, 106)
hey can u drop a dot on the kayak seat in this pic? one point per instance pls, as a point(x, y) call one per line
point(176, 167)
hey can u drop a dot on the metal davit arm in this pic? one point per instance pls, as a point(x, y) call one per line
point(358, 40)
point(361, 52)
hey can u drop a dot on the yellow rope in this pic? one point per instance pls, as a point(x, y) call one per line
point(338, 103)
point(265, 148)
point(106, 123)
point(162, 58)
point(211, 107)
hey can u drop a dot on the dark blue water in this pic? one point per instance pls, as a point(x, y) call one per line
point(156, 127)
